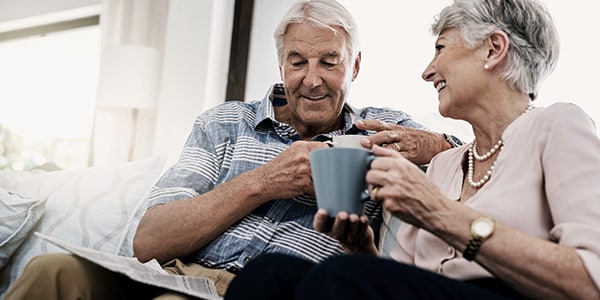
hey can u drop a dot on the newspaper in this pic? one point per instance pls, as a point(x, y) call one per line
point(149, 273)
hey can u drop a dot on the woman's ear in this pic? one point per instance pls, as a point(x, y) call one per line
point(497, 51)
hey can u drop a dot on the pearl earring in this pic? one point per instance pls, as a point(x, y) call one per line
point(486, 66)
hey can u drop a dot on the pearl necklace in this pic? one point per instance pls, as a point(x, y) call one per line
point(473, 154)
point(471, 167)
point(487, 155)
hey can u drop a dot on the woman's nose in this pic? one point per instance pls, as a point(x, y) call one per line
point(428, 73)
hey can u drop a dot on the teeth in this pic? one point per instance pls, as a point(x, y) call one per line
point(441, 85)
point(315, 98)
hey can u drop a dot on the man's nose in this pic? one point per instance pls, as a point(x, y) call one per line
point(313, 77)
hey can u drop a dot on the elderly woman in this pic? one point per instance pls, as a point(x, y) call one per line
point(513, 214)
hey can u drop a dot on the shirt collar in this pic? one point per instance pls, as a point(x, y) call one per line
point(265, 115)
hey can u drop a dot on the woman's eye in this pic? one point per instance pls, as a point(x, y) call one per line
point(328, 64)
point(439, 47)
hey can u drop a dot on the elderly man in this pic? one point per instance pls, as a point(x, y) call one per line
point(242, 186)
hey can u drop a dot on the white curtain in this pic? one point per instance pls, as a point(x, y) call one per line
point(133, 34)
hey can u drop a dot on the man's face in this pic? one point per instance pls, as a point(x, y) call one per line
point(317, 71)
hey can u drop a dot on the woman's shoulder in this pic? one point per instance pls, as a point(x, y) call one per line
point(562, 109)
point(563, 113)
point(560, 119)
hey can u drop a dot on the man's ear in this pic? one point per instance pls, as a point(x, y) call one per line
point(281, 73)
point(356, 66)
point(497, 48)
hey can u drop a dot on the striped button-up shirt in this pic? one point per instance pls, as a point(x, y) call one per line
point(235, 137)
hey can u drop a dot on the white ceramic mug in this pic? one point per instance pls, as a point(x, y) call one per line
point(347, 141)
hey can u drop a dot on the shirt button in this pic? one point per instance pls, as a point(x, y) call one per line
point(247, 259)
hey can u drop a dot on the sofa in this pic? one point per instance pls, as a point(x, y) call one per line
point(96, 207)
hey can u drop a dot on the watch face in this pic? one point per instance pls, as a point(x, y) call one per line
point(456, 141)
point(483, 228)
point(452, 140)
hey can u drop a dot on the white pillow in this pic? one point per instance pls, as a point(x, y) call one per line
point(18, 215)
point(97, 207)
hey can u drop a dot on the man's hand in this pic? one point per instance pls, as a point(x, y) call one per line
point(353, 231)
point(417, 145)
point(289, 174)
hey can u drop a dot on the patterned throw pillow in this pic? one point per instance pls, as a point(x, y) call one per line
point(96, 207)
point(18, 216)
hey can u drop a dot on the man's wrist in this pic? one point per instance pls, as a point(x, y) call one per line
point(452, 140)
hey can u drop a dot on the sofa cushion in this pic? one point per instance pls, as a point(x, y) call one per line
point(18, 216)
point(96, 207)
point(387, 235)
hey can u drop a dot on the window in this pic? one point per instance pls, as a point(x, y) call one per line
point(47, 98)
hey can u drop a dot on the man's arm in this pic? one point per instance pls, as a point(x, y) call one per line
point(417, 145)
point(179, 228)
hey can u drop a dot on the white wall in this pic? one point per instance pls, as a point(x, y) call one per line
point(397, 45)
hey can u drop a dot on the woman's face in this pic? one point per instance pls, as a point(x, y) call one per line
point(456, 73)
point(317, 71)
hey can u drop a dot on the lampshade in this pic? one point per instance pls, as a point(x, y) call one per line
point(129, 77)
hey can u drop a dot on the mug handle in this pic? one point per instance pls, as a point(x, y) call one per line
point(365, 194)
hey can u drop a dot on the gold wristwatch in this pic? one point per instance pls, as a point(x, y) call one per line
point(481, 229)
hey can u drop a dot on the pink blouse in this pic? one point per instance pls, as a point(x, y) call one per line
point(546, 183)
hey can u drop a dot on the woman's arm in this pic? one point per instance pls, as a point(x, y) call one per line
point(533, 266)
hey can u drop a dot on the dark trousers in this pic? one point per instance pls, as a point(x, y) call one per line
point(276, 276)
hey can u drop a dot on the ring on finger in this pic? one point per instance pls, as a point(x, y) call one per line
point(396, 146)
point(374, 193)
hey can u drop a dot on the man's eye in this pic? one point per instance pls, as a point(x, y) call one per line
point(328, 64)
point(297, 63)
point(439, 47)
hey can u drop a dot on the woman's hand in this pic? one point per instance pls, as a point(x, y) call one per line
point(353, 231)
point(404, 190)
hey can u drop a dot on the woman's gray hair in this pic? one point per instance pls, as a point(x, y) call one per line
point(534, 43)
point(323, 13)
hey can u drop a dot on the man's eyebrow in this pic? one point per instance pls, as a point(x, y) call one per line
point(294, 53)
point(332, 54)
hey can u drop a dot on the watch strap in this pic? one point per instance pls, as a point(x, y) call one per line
point(472, 248)
point(478, 236)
